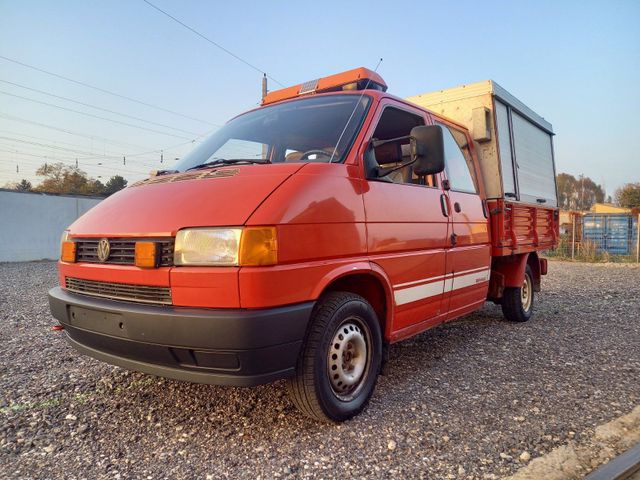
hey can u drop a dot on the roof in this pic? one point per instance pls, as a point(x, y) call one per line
point(608, 208)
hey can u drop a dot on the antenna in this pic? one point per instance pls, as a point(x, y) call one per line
point(264, 86)
point(375, 70)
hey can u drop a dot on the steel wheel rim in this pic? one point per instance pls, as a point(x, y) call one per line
point(526, 293)
point(349, 358)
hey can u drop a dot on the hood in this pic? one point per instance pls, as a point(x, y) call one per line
point(160, 206)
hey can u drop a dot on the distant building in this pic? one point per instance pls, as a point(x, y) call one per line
point(608, 208)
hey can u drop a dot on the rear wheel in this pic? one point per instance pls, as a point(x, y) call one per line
point(517, 302)
point(340, 360)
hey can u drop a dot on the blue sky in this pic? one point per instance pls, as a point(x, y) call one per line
point(575, 63)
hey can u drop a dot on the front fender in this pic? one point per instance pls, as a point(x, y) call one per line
point(360, 268)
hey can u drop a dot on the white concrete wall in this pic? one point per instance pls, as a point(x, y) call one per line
point(31, 223)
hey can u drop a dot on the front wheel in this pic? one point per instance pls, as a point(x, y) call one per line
point(340, 360)
point(517, 302)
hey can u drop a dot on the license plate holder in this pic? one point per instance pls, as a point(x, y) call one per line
point(97, 321)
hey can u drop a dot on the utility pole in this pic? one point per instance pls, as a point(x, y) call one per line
point(573, 235)
point(638, 239)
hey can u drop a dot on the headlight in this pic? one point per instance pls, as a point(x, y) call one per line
point(67, 248)
point(250, 246)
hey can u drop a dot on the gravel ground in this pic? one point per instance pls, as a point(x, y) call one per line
point(472, 399)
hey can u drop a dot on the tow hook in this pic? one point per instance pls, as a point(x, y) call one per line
point(57, 328)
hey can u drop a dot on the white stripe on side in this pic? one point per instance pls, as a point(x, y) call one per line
point(437, 286)
point(431, 279)
point(470, 279)
point(420, 292)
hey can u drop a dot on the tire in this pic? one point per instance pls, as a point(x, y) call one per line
point(340, 359)
point(517, 302)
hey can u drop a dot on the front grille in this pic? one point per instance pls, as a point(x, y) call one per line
point(122, 250)
point(120, 291)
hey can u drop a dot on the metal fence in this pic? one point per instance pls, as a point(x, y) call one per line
point(31, 223)
point(599, 237)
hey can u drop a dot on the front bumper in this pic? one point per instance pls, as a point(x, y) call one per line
point(218, 346)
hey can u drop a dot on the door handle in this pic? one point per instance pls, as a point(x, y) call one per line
point(454, 239)
point(456, 207)
point(444, 205)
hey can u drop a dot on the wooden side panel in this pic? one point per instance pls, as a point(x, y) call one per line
point(520, 228)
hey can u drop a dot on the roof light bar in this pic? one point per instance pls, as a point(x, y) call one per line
point(356, 79)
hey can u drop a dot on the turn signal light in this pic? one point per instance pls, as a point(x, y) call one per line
point(68, 252)
point(146, 255)
point(258, 246)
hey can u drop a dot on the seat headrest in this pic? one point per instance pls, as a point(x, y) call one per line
point(388, 153)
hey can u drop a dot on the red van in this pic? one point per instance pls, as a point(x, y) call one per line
point(305, 236)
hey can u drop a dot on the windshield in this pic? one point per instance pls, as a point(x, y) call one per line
point(312, 129)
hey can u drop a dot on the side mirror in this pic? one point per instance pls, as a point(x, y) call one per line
point(427, 150)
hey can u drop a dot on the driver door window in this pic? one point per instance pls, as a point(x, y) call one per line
point(395, 123)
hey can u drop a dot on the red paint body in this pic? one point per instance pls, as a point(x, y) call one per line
point(336, 230)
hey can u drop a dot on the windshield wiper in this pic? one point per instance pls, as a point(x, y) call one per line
point(227, 161)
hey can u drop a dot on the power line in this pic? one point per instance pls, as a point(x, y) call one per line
point(114, 154)
point(93, 116)
point(102, 170)
point(70, 132)
point(56, 156)
point(103, 139)
point(10, 132)
point(92, 156)
point(212, 42)
point(98, 108)
point(99, 89)
point(61, 159)
point(54, 147)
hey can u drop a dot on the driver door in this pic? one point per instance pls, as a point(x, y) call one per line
point(407, 230)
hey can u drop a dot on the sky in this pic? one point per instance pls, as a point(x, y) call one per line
point(576, 63)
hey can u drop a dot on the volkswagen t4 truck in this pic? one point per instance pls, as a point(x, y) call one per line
point(304, 237)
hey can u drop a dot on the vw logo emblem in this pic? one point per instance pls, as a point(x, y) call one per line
point(103, 250)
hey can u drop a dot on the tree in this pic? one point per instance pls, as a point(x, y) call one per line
point(628, 196)
point(21, 186)
point(115, 183)
point(62, 178)
point(578, 193)
point(566, 188)
point(24, 186)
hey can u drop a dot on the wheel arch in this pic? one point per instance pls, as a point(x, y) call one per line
point(367, 280)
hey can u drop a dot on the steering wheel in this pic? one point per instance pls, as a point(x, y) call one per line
point(308, 153)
